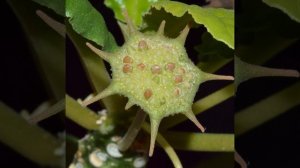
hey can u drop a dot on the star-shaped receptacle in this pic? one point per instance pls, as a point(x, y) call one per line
point(156, 74)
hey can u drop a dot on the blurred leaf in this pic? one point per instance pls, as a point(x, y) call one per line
point(89, 23)
point(47, 45)
point(71, 146)
point(257, 52)
point(218, 22)
point(211, 49)
point(264, 22)
point(245, 71)
point(82, 116)
point(56, 5)
point(201, 141)
point(219, 160)
point(135, 8)
point(267, 109)
point(28, 140)
point(96, 72)
point(290, 8)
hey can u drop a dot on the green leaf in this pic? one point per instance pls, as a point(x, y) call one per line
point(267, 109)
point(96, 72)
point(89, 23)
point(201, 141)
point(135, 8)
point(48, 46)
point(211, 49)
point(82, 116)
point(218, 22)
point(28, 140)
point(56, 5)
point(292, 9)
point(245, 71)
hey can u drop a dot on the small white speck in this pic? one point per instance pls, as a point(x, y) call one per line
point(113, 150)
point(139, 162)
point(102, 112)
point(116, 138)
point(97, 158)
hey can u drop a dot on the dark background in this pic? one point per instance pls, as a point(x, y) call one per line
point(267, 146)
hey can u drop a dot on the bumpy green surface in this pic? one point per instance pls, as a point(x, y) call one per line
point(170, 90)
point(155, 73)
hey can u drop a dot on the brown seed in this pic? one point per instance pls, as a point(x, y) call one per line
point(170, 66)
point(156, 69)
point(178, 79)
point(182, 70)
point(127, 60)
point(127, 68)
point(142, 45)
point(141, 66)
point(147, 94)
point(177, 92)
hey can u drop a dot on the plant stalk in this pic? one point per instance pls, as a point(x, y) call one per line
point(133, 130)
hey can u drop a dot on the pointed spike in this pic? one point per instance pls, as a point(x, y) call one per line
point(129, 104)
point(154, 129)
point(131, 27)
point(124, 30)
point(55, 25)
point(161, 28)
point(189, 114)
point(106, 92)
point(104, 55)
point(208, 76)
point(183, 35)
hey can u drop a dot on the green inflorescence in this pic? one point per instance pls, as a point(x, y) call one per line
point(155, 73)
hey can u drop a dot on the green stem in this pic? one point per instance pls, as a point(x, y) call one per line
point(28, 140)
point(201, 106)
point(166, 146)
point(208, 142)
point(56, 108)
point(267, 109)
point(82, 116)
point(133, 131)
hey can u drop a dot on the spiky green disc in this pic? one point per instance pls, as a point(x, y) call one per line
point(155, 73)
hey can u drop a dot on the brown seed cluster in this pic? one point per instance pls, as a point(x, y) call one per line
point(155, 69)
point(178, 79)
point(147, 94)
point(127, 67)
point(141, 66)
point(170, 67)
point(127, 60)
point(143, 45)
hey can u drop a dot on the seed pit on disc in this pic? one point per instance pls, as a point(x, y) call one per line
point(127, 60)
point(143, 45)
point(155, 69)
point(141, 66)
point(181, 70)
point(178, 79)
point(127, 68)
point(170, 67)
point(147, 94)
point(177, 92)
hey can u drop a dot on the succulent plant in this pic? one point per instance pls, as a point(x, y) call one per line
point(96, 150)
point(155, 73)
